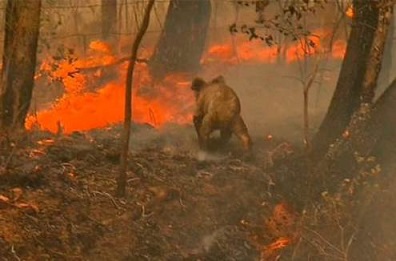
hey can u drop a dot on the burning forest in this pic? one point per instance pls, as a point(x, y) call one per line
point(197, 130)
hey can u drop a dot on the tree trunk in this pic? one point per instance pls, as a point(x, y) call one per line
point(364, 129)
point(183, 39)
point(387, 63)
point(19, 60)
point(121, 181)
point(109, 19)
point(359, 71)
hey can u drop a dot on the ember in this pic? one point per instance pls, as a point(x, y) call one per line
point(349, 12)
point(281, 225)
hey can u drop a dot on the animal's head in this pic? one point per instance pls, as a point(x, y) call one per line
point(197, 84)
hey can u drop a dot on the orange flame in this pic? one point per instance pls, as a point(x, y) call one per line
point(171, 101)
point(350, 12)
point(279, 244)
point(258, 52)
point(275, 246)
point(280, 225)
point(81, 110)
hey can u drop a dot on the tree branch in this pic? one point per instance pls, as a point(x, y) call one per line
point(118, 62)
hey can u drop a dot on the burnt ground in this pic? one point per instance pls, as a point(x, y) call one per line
point(57, 201)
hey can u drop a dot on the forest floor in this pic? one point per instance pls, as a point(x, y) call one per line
point(57, 201)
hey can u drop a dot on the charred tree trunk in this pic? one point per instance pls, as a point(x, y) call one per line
point(183, 39)
point(359, 71)
point(22, 25)
point(109, 19)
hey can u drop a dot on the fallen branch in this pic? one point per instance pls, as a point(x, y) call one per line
point(118, 62)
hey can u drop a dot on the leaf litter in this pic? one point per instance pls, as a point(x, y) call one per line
point(57, 201)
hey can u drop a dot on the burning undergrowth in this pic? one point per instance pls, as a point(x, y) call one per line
point(93, 85)
point(84, 106)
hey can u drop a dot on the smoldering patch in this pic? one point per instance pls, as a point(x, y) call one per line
point(202, 156)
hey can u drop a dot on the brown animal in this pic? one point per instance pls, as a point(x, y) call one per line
point(218, 108)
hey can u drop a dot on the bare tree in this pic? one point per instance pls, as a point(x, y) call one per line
point(22, 23)
point(121, 182)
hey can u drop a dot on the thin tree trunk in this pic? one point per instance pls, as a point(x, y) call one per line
point(359, 71)
point(121, 182)
point(183, 39)
point(306, 88)
point(22, 25)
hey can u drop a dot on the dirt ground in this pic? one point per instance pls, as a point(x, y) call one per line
point(57, 201)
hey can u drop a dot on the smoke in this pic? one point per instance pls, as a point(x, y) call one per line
point(270, 93)
point(272, 96)
point(170, 138)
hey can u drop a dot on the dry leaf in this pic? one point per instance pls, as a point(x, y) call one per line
point(27, 206)
point(16, 193)
point(4, 201)
point(4, 198)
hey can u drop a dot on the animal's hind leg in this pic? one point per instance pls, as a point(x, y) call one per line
point(197, 124)
point(205, 131)
point(240, 130)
